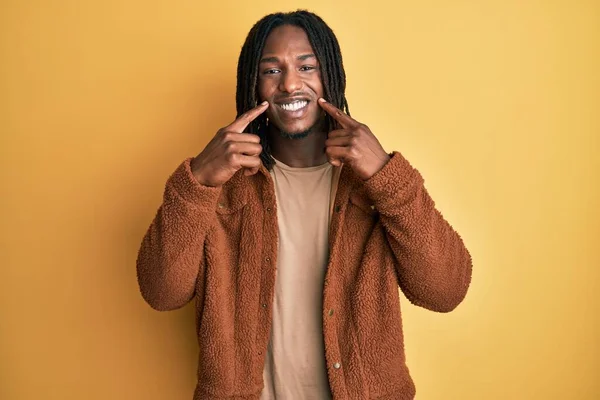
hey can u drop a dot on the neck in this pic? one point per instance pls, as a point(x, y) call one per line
point(299, 153)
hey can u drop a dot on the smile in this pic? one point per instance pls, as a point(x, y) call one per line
point(294, 106)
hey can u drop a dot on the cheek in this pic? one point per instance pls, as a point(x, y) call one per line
point(320, 89)
point(316, 85)
point(265, 89)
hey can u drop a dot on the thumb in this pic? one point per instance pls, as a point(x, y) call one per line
point(250, 171)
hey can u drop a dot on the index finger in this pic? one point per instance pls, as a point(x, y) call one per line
point(243, 120)
point(344, 119)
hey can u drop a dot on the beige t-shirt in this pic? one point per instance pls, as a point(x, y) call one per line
point(295, 361)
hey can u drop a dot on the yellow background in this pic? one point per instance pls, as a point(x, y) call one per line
point(495, 102)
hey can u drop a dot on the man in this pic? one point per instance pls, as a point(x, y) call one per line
point(293, 230)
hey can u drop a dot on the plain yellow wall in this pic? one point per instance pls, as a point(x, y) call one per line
point(496, 102)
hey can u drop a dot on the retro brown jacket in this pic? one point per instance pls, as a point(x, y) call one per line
point(219, 247)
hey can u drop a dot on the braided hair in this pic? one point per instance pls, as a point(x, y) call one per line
point(327, 51)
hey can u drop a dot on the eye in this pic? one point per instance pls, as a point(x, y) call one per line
point(271, 71)
point(307, 68)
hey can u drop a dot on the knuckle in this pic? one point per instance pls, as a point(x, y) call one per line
point(232, 158)
point(227, 136)
point(230, 146)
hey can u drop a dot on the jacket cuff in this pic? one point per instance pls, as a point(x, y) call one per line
point(393, 183)
point(184, 183)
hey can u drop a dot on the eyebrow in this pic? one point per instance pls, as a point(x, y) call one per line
point(276, 60)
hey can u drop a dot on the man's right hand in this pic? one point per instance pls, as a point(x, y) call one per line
point(229, 151)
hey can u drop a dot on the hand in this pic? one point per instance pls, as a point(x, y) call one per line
point(354, 144)
point(229, 151)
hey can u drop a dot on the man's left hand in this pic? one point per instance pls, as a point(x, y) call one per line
point(353, 144)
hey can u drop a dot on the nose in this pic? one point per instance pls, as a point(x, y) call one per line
point(290, 81)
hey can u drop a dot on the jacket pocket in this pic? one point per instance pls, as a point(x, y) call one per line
point(361, 201)
point(230, 205)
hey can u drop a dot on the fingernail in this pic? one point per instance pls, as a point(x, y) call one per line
point(322, 100)
point(264, 103)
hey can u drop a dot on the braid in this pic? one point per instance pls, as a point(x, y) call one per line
point(328, 53)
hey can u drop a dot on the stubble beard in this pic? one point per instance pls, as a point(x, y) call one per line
point(319, 124)
point(297, 135)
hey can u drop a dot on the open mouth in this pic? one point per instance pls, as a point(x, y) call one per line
point(293, 106)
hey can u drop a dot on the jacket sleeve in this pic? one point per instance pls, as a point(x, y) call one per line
point(172, 251)
point(433, 264)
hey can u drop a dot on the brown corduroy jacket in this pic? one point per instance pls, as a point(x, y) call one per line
point(219, 246)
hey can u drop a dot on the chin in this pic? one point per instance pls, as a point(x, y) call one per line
point(301, 129)
point(295, 131)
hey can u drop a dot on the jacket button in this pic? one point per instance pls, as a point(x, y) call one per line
point(264, 305)
point(268, 208)
point(337, 365)
point(338, 208)
point(331, 312)
point(268, 259)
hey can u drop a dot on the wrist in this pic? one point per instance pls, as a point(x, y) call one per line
point(378, 167)
point(198, 174)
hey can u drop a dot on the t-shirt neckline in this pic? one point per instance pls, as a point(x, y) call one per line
point(301, 169)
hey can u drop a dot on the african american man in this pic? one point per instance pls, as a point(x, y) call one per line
point(293, 230)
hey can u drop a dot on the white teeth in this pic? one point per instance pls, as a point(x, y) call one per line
point(294, 106)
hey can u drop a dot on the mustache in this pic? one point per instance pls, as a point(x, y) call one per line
point(294, 95)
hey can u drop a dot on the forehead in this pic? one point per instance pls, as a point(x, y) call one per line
point(287, 39)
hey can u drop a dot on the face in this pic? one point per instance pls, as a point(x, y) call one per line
point(289, 78)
